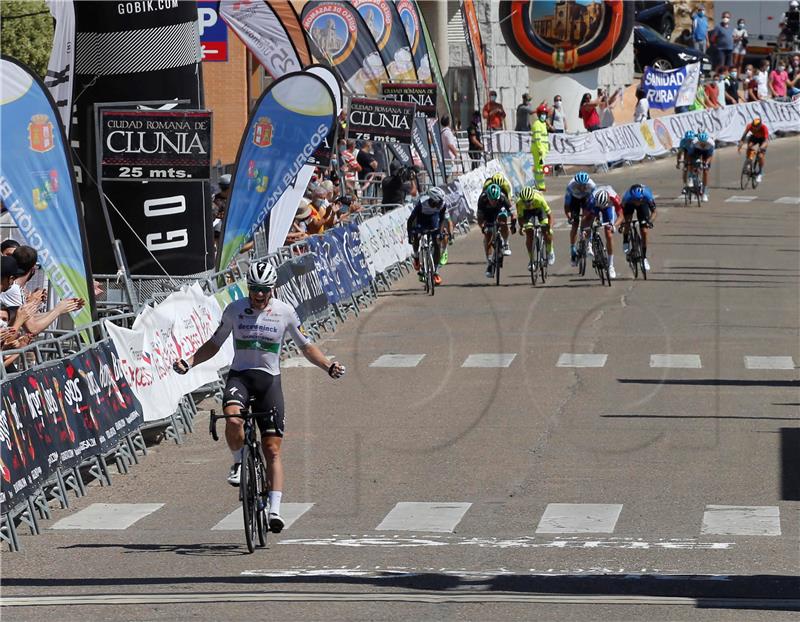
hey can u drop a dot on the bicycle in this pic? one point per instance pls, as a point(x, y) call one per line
point(751, 169)
point(694, 186)
point(580, 251)
point(538, 248)
point(427, 267)
point(253, 482)
point(635, 255)
point(600, 261)
point(497, 246)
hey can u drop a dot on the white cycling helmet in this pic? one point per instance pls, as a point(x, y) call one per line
point(262, 274)
point(601, 198)
point(436, 195)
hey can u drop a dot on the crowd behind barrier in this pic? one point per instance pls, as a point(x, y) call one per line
point(82, 399)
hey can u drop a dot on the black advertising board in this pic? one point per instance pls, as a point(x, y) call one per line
point(139, 145)
point(299, 285)
point(423, 95)
point(380, 121)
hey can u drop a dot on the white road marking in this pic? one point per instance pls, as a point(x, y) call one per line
point(676, 361)
point(579, 518)
point(742, 520)
point(769, 362)
point(522, 542)
point(789, 200)
point(740, 199)
point(414, 516)
point(489, 360)
point(581, 360)
point(392, 572)
point(553, 197)
point(290, 512)
point(111, 516)
point(296, 361)
point(397, 360)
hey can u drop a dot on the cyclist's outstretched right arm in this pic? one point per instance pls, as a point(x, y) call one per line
point(208, 349)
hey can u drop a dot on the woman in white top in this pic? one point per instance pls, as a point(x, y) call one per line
point(739, 45)
point(557, 119)
point(642, 106)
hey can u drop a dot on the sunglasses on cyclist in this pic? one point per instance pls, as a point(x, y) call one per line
point(259, 289)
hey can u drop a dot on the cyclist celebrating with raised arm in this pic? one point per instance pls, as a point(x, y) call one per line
point(576, 198)
point(757, 135)
point(684, 151)
point(703, 148)
point(607, 205)
point(530, 203)
point(428, 214)
point(639, 199)
point(493, 210)
point(259, 324)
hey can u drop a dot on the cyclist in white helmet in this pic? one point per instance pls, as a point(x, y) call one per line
point(259, 324)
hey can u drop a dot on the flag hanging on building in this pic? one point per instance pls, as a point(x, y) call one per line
point(37, 184)
point(291, 118)
point(472, 33)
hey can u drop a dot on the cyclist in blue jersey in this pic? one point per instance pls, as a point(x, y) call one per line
point(703, 148)
point(576, 198)
point(684, 148)
point(259, 324)
point(605, 204)
point(638, 199)
point(428, 214)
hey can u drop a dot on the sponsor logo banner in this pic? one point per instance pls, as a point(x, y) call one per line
point(300, 285)
point(37, 185)
point(423, 95)
point(380, 121)
point(290, 120)
point(386, 28)
point(213, 33)
point(667, 89)
point(412, 24)
point(151, 144)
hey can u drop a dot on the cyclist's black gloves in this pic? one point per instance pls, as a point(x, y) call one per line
point(336, 370)
point(181, 367)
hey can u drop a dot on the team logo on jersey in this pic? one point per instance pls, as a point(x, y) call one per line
point(248, 311)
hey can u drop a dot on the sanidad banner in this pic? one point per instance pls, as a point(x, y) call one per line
point(423, 95)
point(381, 121)
point(154, 144)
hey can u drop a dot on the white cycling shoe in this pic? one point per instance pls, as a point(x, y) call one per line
point(530, 266)
point(506, 250)
point(551, 258)
point(234, 474)
point(275, 522)
point(489, 270)
point(612, 272)
point(647, 265)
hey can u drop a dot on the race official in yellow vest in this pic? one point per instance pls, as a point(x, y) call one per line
point(540, 145)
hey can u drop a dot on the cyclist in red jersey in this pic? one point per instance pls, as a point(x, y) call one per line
point(758, 137)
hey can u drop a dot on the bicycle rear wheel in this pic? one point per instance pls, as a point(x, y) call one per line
point(429, 272)
point(754, 175)
point(249, 490)
point(498, 257)
point(582, 258)
point(263, 496)
point(634, 252)
point(745, 177)
point(698, 192)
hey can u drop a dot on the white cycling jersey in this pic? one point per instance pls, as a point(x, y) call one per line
point(580, 191)
point(258, 335)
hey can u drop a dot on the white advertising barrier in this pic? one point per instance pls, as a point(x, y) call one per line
point(654, 137)
point(384, 239)
point(471, 184)
point(173, 329)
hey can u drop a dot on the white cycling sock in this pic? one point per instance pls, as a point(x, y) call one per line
point(275, 501)
point(611, 260)
point(237, 456)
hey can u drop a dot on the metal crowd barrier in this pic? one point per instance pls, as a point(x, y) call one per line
point(58, 345)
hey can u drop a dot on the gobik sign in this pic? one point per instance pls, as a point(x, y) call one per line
point(144, 145)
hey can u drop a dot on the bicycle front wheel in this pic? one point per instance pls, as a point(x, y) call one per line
point(535, 259)
point(754, 176)
point(542, 258)
point(634, 252)
point(429, 272)
point(248, 488)
point(262, 498)
point(498, 258)
point(582, 259)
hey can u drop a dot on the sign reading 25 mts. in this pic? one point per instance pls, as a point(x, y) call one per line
point(144, 145)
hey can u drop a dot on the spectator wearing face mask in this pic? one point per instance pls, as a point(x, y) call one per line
point(711, 90)
point(778, 80)
point(761, 78)
point(558, 121)
point(700, 30)
point(524, 112)
point(739, 45)
point(494, 113)
point(749, 84)
point(540, 145)
point(474, 137)
point(794, 75)
point(722, 36)
point(731, 84)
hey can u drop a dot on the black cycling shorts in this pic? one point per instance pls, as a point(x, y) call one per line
point(576, 206)
point(538, 212)
point(268, 404)
point(755, 140)
point(642, 210)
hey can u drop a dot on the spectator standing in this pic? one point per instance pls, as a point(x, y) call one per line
point(8, 247)
point(606, 107)
point(711, 92)
point(642, 110)
point(524, 112)
point(700, 30)
point(722, 35)
point(494, 113)
point(299, 228)
point(731, 81)
point(558, 121)
point(449, 145)
point(367, 161)
point(399, 183)
point(778, 80)
point(794, 75)
point(474, 136)
point(739, 45)
point(761, 78)
point(350, 165)
point(685, 38)
point(588, 112)
point(749, 84)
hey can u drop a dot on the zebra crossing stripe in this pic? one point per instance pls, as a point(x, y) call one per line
point(768, 362)
point(489, 360)
point(107, 516)
point(397, 360)
point(579, 518)
point(788, 200)
point(417, 516)
point(740, 199)
point(581, 360)
point(742, 520)
point(676, 361)
point(290, 512)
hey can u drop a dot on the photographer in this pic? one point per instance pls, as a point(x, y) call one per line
point(402, 181)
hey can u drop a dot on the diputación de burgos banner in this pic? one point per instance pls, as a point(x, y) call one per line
point(57, 416)
point(289, 121)
point(654, 137)
point(37, 184)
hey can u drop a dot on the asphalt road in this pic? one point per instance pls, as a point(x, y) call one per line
point(624, 491)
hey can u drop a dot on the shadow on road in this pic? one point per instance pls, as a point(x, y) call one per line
point(194, 550)
point(712, 382)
